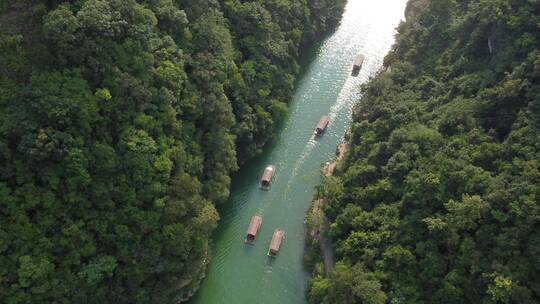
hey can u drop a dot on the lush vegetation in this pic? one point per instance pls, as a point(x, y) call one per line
point(121, 122)
point(438, 200)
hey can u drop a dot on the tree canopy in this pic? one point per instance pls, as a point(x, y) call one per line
point(438, 200)
point(121, 122)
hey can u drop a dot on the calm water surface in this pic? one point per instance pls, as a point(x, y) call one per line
point(241, 274)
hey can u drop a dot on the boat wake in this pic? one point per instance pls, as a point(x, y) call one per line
point(350, 93)
point(305, 153)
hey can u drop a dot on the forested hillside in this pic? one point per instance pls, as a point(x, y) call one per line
point(438, 200)
point(120, 124)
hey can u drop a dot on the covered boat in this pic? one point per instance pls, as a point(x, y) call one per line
point(275, 244)
point(358, 62)
point(267, 176)
point(321, 126)
point(253, 228)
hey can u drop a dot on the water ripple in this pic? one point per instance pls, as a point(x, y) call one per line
point(244, 274)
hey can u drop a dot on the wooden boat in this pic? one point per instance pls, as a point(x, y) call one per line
point(276, 241)
point(267, 177)
point(358, 62)
point(321, 126)
point(253, 228)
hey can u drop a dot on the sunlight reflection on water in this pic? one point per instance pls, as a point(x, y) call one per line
point(239, 275)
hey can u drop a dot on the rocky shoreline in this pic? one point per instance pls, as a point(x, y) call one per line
point(317, 223)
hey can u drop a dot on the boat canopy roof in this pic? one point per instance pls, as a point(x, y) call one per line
point(254, 225)
point(359, 60)
point(268, 173)
point(323, 122)
point(276, 240)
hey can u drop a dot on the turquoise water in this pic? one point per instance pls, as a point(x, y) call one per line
point(244, 274)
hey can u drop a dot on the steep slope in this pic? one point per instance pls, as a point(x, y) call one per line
point(121, 122)
point(438, 200)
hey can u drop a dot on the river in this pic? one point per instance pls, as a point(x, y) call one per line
point(241, 274)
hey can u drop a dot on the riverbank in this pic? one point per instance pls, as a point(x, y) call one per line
point(318, 225)
point(273, 93)
point(245, 274)
point(438, 200)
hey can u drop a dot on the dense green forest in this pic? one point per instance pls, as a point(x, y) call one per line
point(438, 200)
point(120, 124)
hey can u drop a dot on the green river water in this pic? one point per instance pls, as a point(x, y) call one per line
point(241, 274)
